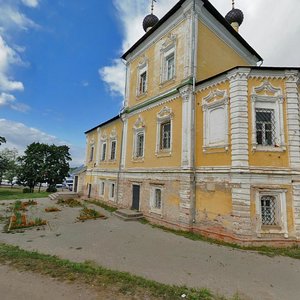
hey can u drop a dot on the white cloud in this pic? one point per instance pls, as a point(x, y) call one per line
point(273, 35)
point(114, 76)
point(131, 14)
point(31, 3)
point(19, 136)
point(12, 20)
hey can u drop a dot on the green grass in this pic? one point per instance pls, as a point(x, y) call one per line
point(293, 251)
point(17, 193)
point(101, 204)
point(97, 276)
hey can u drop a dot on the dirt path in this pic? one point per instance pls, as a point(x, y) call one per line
point(162, 256)
point(24, 286)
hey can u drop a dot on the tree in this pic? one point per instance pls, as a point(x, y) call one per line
point(8, 164)
point(43, 163)
point(2, 140)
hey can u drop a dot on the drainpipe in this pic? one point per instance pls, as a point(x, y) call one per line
point(194, 73)
point(121, 149)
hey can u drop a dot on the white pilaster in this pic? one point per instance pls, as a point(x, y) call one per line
point(124, 141)
point(293, 121)
point(296, 205)
point(187, 127)
point(239, 117)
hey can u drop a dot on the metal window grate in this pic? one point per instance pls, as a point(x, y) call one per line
point(157, 200)
point(265, 127)
point(268, 210)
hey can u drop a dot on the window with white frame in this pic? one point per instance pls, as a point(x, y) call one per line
point(112, 191)
point(267, 118)
point(156, 199)
point(271, 212)
point(113, 147)
point(170, 66)
point(265, 127)
point(138, 139)
point(215, 120)
point(142, 74)
point(168, 58)
point(139, 145)
point(101, 188)
point(164, 130)
point(103, 151)
point(165, 135)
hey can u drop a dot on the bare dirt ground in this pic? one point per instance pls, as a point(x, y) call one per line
point(158, 255)
point(17, 285)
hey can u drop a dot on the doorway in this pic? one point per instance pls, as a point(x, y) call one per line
point(135, 197)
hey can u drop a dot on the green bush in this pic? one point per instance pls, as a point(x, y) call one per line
point(26, 190)
point(51, 189)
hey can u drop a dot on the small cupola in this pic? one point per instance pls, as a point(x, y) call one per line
point(150, 20)
point(235, 17)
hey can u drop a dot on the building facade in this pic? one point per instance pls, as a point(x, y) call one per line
point(207, 141)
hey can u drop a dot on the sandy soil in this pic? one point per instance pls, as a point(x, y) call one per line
point(155, 254)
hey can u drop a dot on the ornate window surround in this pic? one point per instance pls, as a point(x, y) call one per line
point(154, 209)
point(214, 100)
point(281, 213)
point(168, 48)
point(142, 68)
point(113, 138)
point(103, 140)
point(266, 101)
point(164, 115)
point(139, 127)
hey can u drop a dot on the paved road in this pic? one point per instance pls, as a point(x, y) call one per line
point(164, 257)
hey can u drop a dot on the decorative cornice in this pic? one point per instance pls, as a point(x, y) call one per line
point(164, 113)
point(139, 123)
point(266, 87)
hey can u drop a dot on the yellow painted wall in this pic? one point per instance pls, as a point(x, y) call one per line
point(111, 164)
point(214, 55)
point(153, 54)
point(150, 119)
point(213, 156)
point(267, 159)
point(214, 205)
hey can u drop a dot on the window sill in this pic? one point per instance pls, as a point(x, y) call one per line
point(167, 82)
point(138, 159)
point(163, 153)
point(141, 96)
point(261, 148)
point(217, 146)
point(156, 211)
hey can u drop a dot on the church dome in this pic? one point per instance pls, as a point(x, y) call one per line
point(150, 21)
point(235, 16)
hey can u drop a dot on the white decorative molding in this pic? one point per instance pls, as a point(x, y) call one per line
point(103, 136)
point(169, 42)
point(164, 115)
point(187, 144)
point(139, 123)
point(124, 141)
point(266, 96)
point(113, 133)
point(239, 117)
point(216, 102)
point(281, 213)
point(293, 118)
point(296, 206)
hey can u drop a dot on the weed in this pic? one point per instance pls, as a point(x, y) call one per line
point(103, 205)
point(52, 209)
point(90, 273)
point(88, 213)
point(69, 202)
point(293, 251)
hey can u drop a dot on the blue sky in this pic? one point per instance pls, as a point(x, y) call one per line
point(60, 72)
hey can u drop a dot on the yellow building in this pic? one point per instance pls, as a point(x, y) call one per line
point(207, 141)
